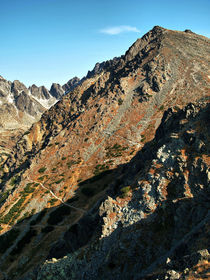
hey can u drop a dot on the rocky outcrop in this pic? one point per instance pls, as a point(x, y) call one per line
point(56, 91)
point(71, 84)
point(39, 92)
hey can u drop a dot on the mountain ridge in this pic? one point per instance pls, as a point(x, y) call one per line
point(130, 119)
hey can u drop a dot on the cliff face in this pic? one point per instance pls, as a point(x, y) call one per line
point(104, 138)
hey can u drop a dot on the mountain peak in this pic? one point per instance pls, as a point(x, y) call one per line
point(118, 168)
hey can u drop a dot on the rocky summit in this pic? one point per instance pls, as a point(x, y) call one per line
point(113, 181)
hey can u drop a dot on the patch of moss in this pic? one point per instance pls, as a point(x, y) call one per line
point(124, 191)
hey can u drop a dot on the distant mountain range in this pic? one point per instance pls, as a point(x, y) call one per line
point(20, 107)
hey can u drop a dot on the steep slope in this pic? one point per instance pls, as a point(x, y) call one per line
point(156, 225)
point(80, 148)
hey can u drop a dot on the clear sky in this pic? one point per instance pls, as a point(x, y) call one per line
point(45, 41)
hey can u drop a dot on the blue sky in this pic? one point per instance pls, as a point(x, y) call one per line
point(45, 41)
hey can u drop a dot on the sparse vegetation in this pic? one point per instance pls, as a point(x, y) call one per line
point(115, 151)
point(26, 133)
point(100, 168)
point(71, 163)
point(53, 201)
point(13, 211)
point(14, 181)
point(41, 178)
point(42, 169)
point(124, 191)
point(143, 138)
point(59, 181)
point(120, 101)
point(4, 196)
point(28, 189)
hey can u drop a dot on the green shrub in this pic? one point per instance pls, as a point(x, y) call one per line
point(4, 196)
point(124, 191)
point(42, 169)
point(115, 151)
point(52, 201)
point(71, 162)
point(28, 189)
point(14, 180)
point(26, 133)
point(59, 181)
point(100, 168)
point(120, 101)
point(13, 212)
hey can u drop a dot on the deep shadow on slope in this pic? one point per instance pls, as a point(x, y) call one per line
point(89, 226)
point(28, 235)
point(140, 164)
point(140, 251)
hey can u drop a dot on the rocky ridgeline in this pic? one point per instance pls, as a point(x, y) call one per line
point(115, 160)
